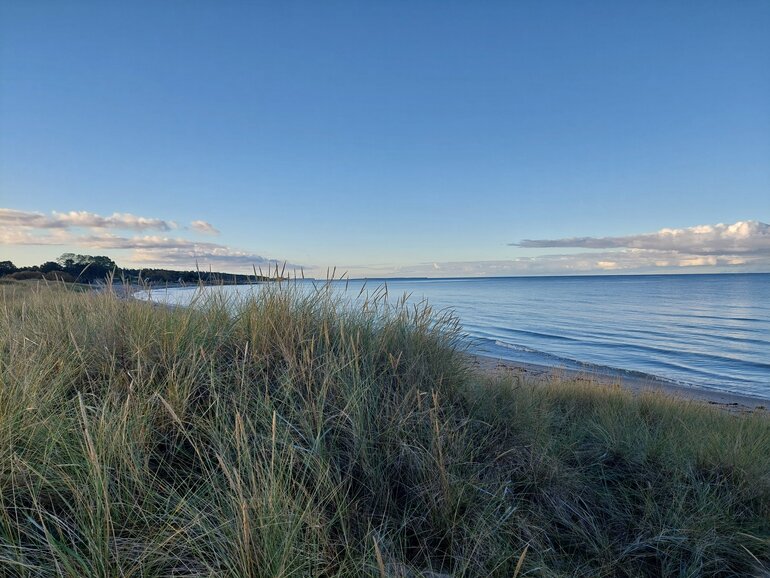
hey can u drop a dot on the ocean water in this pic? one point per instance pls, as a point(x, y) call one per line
point(709, 331)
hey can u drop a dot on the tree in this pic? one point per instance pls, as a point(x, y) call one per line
point(7, 267)
point(67, 260)
point(102, 261)
point(87, 267)
point(50, 266)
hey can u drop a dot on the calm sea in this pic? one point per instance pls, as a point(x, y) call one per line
point(709, 331)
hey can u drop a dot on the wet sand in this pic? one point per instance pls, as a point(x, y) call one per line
point(635, 383)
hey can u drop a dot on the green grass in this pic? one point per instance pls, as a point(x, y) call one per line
point(290, 436)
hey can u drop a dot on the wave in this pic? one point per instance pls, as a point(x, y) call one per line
point(662, 354)
point(546, 358)
point(569, 363)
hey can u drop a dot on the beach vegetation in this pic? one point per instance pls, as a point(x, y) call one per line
point(298, 433)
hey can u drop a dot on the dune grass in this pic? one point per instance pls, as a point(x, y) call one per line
point(288, 435)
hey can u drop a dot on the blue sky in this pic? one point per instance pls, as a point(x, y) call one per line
point(398, 138)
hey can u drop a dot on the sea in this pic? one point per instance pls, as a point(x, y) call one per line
point(703, 331)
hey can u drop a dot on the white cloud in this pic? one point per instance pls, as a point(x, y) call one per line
point(107, 241)
point(631, 261)
point(743, 237)
point(17, 236)
point(81, 219)
point(177, 252)
point(84, 231)
point(217, 258)
point(607, 265)
point(204, 227)
point(742, 246)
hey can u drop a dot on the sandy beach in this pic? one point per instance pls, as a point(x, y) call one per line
point(542, 373)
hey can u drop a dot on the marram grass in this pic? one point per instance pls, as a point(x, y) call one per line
point(288, 435)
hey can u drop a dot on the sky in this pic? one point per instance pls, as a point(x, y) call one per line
point(418, 138)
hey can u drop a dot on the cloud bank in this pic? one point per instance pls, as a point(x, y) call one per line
point(741, 246)
point(91, 232)
point(743, 237)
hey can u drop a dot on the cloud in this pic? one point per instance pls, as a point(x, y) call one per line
point(108, 241)
point(92, 232)
point(157, 251)
point(631, 261)
point(11, 236)
point(81, 219)
point(742, 246)
point(743, 237)
point(204, 227)
point(178, 252)
point(220, 258)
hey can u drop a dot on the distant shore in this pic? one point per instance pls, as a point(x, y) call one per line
point(635, 383)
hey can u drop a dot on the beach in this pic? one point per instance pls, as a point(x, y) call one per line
point(544, 374)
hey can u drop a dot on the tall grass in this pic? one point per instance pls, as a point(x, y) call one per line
point(290, 435)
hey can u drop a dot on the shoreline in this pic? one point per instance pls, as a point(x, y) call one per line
point(734, 402)
point(543, 374)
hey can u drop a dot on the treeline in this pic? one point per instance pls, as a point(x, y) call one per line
point(73, 268)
